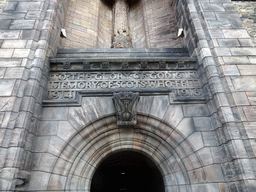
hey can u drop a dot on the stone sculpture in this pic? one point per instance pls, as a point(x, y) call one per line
point(121, 37)
point(125, 104)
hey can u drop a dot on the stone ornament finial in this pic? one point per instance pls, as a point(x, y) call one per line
point(121, 37)
point(126, 107)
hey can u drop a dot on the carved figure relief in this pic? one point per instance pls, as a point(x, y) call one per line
point(126, 107)
point(121, 37)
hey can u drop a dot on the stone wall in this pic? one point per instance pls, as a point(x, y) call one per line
point(2, 3)
point(247, 14)
point(29, 35)
point(104, 26)
point(138, 30)
point(161, 24)
point(153, 24)
point(81, 24)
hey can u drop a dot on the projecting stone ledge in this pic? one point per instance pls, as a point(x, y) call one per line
point(131, 53)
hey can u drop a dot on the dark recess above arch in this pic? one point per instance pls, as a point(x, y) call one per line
point(111, 2)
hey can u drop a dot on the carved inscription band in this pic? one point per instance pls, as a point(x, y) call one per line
point(64, 84)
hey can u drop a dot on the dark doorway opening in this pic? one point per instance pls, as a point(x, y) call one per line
point(127, 172)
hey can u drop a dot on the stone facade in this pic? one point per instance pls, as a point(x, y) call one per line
point(194, 118)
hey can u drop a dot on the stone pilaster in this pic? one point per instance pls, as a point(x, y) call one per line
point(29, 32)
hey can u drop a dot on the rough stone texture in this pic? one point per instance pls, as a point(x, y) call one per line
point(121, 28)
point(2, 3)
point(246, 10)
point(105, 27)
point(81, 24)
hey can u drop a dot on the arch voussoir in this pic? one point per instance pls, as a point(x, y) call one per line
point(151, 137)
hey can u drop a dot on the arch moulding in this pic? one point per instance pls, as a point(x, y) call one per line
point(79, 159)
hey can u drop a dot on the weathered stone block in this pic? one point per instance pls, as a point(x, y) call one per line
point(5, 24)
point(203, 123)
point(214, 24)
point(55, 113)
point(250, 113)
point(12, 15)
point(236, 60)
point(247, 69)
point(206, 156)
point(196, 141)
point(159, 106)
point(196, 110)
point(246, 42)
point(222, 52)
point(215, 34)
point(210, 139)
point(65, 130)
point(47, 128)
point(244, 83)
point(228, 42)
point(243, 51)
point(186, 127)
point(197, 176)
point(6, 87)
point(230, 70)
point(28, 6)
point(14, 44)
point(174, 115)
point(39, 181)
point(208, 15)
point(227, 15)
point(14, 73)
point(22, 24)
point(57, 183)
point(9, 34)
point(21, 53)
point(30, 34)
point(240, 98)
point(212, 7)
point(235, 33)
point(10, 6)
point(6, 53)
point(2, 72)
point(214, 173)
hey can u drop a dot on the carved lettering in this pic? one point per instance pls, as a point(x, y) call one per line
point(64, 85)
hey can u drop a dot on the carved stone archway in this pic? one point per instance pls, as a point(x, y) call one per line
point(102, 138)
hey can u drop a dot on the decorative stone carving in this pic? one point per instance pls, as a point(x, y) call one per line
point(162, 65)
point(126, 107)
point(86, 65)
point(105, 65)
point(121, 37)
point(66, 65)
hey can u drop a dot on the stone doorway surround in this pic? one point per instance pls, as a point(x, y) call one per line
point(127, 171)
point(199, 147)
point(173, 150)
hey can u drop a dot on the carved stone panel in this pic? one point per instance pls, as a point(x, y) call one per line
point(64, 85)
point(103, 77)
point(126, 107)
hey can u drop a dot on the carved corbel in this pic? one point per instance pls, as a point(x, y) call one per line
point(126, 107)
